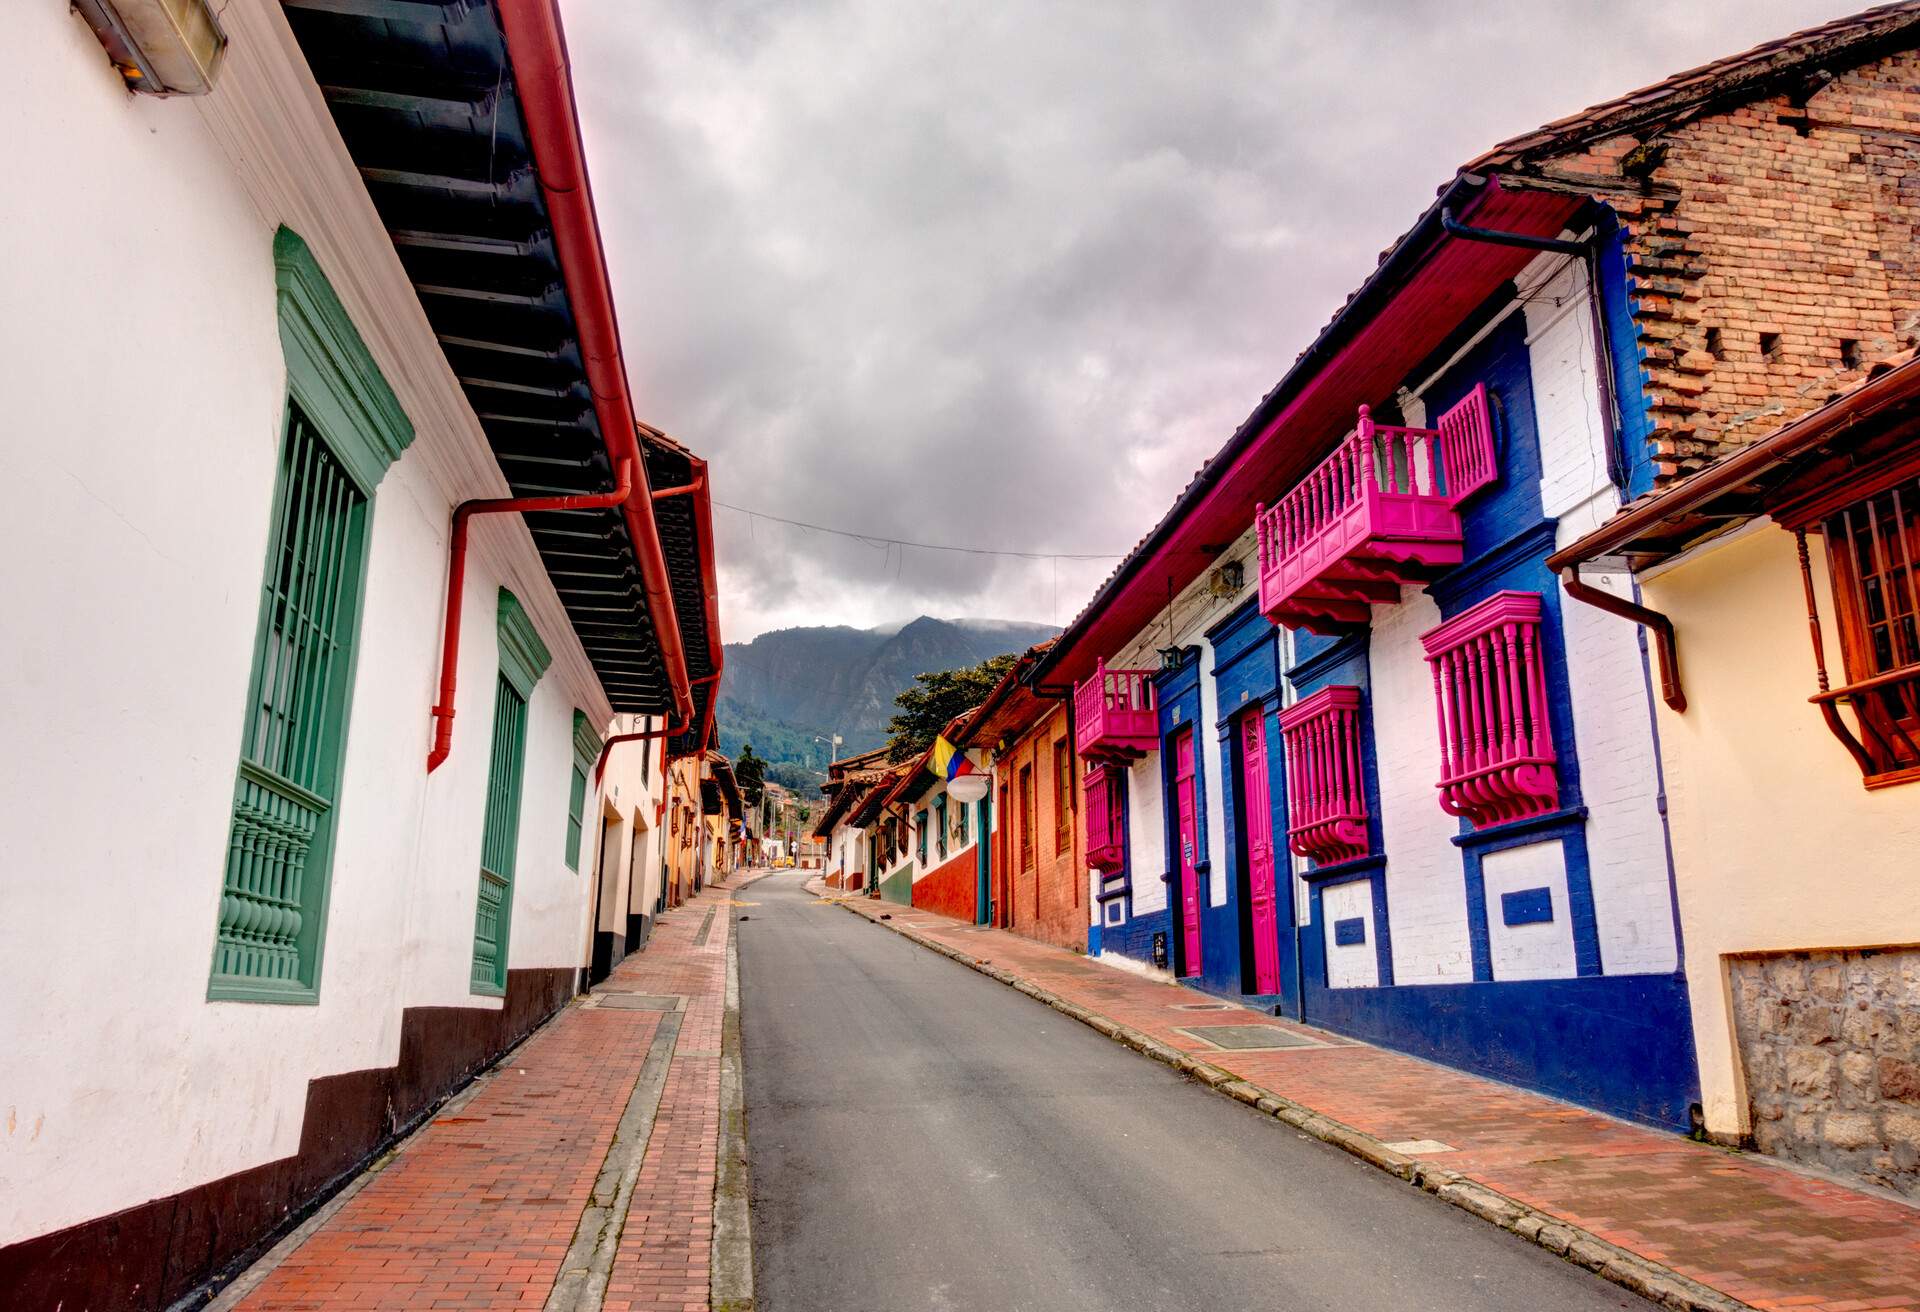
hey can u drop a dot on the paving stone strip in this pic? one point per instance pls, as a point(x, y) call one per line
point(1685, 1225)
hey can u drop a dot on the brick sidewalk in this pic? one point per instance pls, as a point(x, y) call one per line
point(480, 1208)
point(1742, 1225)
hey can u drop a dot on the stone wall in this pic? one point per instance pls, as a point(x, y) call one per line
point(1831, 1046)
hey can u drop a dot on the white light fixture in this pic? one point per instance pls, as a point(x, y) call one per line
point(161, 47)
point(967, 789)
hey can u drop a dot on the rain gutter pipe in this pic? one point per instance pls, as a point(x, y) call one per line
point(537, 51)
point(457, 579)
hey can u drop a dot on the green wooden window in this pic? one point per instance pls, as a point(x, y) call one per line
point(922, 826)
point(586, 754)
point(343, 427)
point(500, 839)
point(940, 823)
point(523, 659)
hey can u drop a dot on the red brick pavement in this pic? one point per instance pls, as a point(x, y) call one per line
point(479, 1210)
point(1740, 1224)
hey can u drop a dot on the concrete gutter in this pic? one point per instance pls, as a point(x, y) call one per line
point(1651, 1280)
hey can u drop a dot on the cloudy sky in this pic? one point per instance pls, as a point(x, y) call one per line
point(1003, 273)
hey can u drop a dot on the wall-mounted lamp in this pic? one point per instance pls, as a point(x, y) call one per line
point(161, 47)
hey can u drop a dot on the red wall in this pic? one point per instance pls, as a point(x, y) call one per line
point(950, 888)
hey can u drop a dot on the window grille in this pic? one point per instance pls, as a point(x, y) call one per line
point(273, 893)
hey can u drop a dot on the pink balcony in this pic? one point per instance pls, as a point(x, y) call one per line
point(1497, 762)
point(1382, 510)
point(1106, 821)
point(1326, 791)
point(1115, 718)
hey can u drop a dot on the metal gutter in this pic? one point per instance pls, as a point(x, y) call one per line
point(536, 49)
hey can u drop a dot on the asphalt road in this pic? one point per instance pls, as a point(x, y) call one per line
point(923, 1137)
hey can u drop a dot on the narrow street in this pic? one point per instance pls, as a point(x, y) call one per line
point(923, 1137)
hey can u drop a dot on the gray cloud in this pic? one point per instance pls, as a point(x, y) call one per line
point(1004, 274)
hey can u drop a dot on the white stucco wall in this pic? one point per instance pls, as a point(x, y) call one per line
point(145, 385)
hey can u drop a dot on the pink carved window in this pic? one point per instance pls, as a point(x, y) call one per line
point(1497, 761)
point(1326, 791)
point(1106, 820)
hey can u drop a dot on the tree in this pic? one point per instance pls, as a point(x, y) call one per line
point(751, 773)
point(935, 699)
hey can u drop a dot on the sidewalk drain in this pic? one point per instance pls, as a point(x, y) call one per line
point(1204, 1006)
point(642, 1001)
point(1247, 1038)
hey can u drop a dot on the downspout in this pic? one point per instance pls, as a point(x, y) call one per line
point(1651, 620)
point(644, 735)
point(457, 578)
point(537, 51)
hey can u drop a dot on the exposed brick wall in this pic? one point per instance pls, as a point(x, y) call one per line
point(1049, 895)
point(1831, 1046)
point(1796, 223)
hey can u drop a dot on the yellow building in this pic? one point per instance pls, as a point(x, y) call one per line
point(1779, 596)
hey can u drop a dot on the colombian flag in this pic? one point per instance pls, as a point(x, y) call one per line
point(948, 761)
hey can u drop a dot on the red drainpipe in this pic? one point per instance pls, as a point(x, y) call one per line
point(645, 735)
point(457, 578)
point(537, 50)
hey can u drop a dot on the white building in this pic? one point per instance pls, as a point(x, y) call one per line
point(259, 345)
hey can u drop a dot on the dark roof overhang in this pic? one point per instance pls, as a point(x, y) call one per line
point(1425, 286)
point(479, 181)
point(683, 509)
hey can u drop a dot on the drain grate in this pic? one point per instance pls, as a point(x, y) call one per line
point(706, 928)
point(640, 1001)
point(1243, 1038)
point(1204, 1006)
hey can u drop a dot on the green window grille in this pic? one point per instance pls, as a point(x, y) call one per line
point(586, 754)
point(523, 659)
point(344, 427)
point(273, 896)
point(923, 837)
point(576, 809)
point(500, 839)
point(940, 824)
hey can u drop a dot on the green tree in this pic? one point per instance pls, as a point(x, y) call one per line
point(935, 699)
point(751, 772)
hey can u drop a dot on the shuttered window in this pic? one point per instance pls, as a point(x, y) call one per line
point(273, 896)
point(576, 806)
point(500, 839)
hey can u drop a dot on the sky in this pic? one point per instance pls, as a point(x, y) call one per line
point(1003, 274)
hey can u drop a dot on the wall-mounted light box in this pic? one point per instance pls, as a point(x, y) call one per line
point(161, 47)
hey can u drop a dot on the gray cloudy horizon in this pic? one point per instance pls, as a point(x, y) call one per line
point(1004, 275)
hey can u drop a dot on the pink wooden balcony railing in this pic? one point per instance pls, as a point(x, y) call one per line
point(1326, 791)
point(1382, 510)
point(1497, 761)
point(1106, 821)
point(1115, 717)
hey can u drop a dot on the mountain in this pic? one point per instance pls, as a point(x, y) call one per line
point(788, 686)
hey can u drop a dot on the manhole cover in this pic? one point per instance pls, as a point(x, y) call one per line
point(1421, 1147)
point(1249, 1037)
point(641, 1001)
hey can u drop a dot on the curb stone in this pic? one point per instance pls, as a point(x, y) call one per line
point(1652, 1280)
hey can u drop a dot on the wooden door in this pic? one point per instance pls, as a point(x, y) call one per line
point(1263, 923)
point(1187, 832)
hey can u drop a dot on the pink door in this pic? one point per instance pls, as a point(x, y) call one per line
point(1259, 810)
point(1189, 853)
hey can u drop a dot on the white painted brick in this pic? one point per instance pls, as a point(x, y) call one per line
point(1538, 951)
point(1426, 883)
point(1355, 965)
